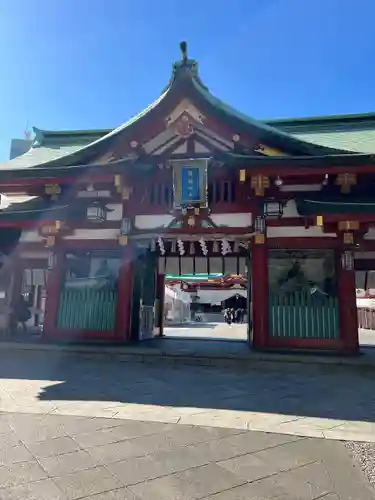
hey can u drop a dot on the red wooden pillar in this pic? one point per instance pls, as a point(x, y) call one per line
point(12, 276)
point(16, 280)
point(259, 300)
point(160, 295)
point(347, 305)
point(53, 289)
point(124, 295)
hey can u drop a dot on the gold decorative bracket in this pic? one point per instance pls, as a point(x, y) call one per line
point(54, 190)
point(346, 181)
point(348, 225)
point(259, 183)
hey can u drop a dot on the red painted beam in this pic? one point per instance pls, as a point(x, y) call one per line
point(59, 180)
point(81, 224)
point(304, 242)
point(302, 171)
point(202, 230)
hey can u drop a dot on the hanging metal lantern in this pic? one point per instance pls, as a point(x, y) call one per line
point(96, 212)
point(51, 260)
point(259, 225)
point(125, 226)
point(347, 261)
point(272, 209)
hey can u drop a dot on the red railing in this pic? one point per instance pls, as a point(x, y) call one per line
point(155, 195)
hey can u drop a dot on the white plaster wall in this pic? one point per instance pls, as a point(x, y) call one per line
point(295, 188)
point(152, 221)
point(117, 211)
point(182, 148)
point(364, 255)
point(201, 148)
point(290, 209)
point(370, 235)
point(35, 255)
point(30, 236)
point(232, 220)
point(105, 193)
point(93, 234)
point(296, 232)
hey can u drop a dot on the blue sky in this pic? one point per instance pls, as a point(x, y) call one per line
point(81, 64)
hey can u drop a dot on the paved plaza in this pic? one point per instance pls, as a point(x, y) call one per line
point(54, 457)
point(325, 401)
point(208, 330)
point(76, 427)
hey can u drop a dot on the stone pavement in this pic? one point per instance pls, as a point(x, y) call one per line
point(54, 457)
point(327, 402)
point(208, 330)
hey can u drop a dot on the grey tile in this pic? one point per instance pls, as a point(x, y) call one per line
point(105, 436)
point(316, 476)
point(291, 455)
point(129, 428)
point(255, 491)
point(20, 420)
point(216, 432)
point(88, 482)
point(285, 485)
point(241, 444)
point(30, 433)
point(14, 454)
point(159, 464)
point(9, 440)
point(346, 475)
point(114, 452)
point(80, 425)
point(39, 490)
point(137, 447)
point(179, 435)
point(249, 467)
point(52, 447)
point(133, 428)
point(332, 496)
point(121, 494)
point(191, 484)
point(65, 464)
point(25, 472)
point(5, 427)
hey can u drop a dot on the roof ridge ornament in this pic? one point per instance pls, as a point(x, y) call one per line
point(184, 52)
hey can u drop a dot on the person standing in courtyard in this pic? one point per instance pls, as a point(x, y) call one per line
point(22, 313)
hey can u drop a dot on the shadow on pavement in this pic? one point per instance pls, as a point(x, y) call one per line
point(311, 391)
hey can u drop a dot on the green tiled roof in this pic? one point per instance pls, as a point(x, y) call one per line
point(48, 146)
point(351, 132)
point(354, 133)
point(335, 205)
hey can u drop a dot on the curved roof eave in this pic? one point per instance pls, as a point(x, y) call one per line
point(112, 133)
point(268, 129)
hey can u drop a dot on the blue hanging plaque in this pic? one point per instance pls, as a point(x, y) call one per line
point(190, 190)
point(190, 182)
